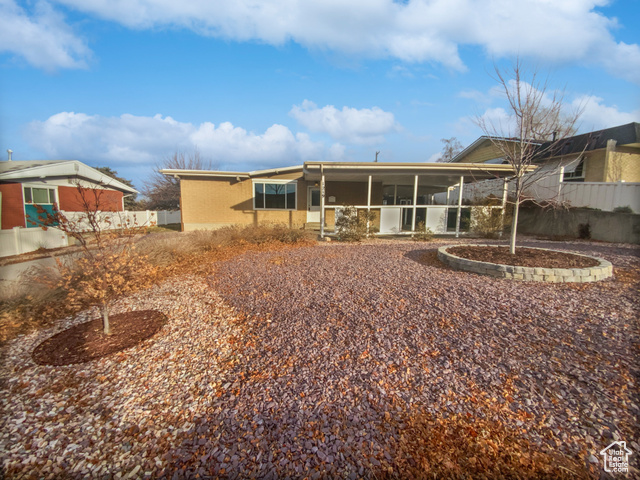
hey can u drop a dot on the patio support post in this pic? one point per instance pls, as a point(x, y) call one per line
point(505, 192)
point(415, 200)
point(395, 194)
point(322, 193)
point(446, 212)
point(368, 203)
point(459, 207)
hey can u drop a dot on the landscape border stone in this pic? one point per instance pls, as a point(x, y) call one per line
point(603, 270)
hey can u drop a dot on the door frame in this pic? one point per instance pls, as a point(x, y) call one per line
point(313, 212)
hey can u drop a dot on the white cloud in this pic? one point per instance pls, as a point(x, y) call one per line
point(569, 31)
point(596, 115)
point(41, 37)
point(352, 125)
point(413, 31)
point(130, 139)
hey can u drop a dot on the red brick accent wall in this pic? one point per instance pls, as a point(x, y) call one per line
point(12, 205)
point(69, 199)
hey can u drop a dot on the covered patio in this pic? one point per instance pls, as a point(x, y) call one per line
point(403, 195)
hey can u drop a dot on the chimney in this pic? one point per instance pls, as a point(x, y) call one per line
point(9, 152)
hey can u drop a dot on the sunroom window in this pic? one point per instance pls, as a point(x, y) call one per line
point(274, 195)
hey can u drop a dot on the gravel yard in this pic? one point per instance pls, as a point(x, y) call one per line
point(309, 361)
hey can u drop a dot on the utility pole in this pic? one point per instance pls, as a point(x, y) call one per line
point(377, 155)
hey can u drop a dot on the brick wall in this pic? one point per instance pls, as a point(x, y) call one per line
point(12, 205)
point(69, 199)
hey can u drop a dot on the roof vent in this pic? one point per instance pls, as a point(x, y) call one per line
point(9, 152)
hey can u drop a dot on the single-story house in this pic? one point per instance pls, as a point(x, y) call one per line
point(27, 185)
point(311, 195)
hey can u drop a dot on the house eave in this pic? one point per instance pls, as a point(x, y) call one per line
point(65, 169)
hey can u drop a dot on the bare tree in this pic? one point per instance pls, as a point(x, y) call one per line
point(538, 126)
point(162, 191)
point(452, 147)
point(107, 266)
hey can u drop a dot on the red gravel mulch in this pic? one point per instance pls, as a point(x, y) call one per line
point(87, 341)
point(524, 257)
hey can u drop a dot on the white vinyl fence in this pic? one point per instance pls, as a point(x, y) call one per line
point(18, 240)
point(605, 196)
point(116, 220)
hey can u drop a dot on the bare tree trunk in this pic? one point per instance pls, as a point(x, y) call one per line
point(105, 318)
point(514, 228)
point(514, 223)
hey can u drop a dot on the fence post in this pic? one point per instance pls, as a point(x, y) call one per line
point(617, 193)
point(17, 239)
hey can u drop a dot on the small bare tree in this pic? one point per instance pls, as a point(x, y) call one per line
point(538, 125)
point(162, 191)
point(108, 265)
point(451, 148)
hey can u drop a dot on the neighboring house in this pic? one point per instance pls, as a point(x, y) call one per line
point(29, 185)
point(311, 195)
point(580, 170)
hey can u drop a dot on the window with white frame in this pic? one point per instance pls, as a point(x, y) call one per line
point(274, 195)
point(574, 172)
point(40, 195)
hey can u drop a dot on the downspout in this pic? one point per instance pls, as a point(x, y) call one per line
point(181, 211)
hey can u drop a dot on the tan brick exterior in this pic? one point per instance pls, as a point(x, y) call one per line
point(623, 166)
point(595, 166)
point(210, 202)
point(217, 202)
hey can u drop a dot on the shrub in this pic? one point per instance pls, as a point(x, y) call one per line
point(488, 222)
point(625, 209)
point(584, 231)
point(423, 234)
point(352, 225)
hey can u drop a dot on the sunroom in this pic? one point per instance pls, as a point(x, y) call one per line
point(405, 197)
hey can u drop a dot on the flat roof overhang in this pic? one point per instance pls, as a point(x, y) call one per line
point(430, 174)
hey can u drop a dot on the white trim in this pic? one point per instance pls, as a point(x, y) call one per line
point(310, 188)
point(269, 180)
point(323, 192)
point(39, 185)
point(459, 211)
point(66, 169)
point(276, 170)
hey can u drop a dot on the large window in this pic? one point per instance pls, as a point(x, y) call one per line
point(274, 195)
point(39, 195)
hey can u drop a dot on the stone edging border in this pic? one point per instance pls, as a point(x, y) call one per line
point(551, 275)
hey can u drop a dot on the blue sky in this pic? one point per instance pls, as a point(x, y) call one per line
point(251, 85)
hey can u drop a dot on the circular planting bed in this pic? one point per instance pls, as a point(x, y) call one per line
point(531, 264)
point(87, 341)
